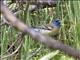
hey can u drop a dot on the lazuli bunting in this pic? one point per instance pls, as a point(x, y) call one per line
point(51, 28)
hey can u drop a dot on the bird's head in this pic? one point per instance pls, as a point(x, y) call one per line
point(56, 23)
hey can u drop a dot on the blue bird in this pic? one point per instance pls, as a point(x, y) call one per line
point(51, 29)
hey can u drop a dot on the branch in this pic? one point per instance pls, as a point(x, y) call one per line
point(20, 38)
point(37, 2)
point(11, 53)
point(36, 5)
point(52, 43)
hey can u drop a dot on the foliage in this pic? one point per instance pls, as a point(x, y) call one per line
point(67, 11)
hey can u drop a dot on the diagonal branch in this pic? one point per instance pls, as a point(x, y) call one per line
point(52, 43)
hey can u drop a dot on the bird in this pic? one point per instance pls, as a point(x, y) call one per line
point(51, 28)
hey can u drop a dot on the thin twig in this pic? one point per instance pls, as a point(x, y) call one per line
point(11, 53)
point(18, 38)
point(35, 52)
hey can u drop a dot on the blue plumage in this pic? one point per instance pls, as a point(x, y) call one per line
point(56, 23)
point(52, 27)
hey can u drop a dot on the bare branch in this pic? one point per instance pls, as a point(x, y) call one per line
point(11, 53)
point(36, 5)
point(20, 38)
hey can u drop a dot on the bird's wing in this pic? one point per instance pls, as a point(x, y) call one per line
point(43, 31)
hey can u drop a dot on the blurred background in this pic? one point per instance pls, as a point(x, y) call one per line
point(38, 13)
